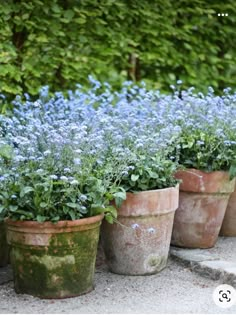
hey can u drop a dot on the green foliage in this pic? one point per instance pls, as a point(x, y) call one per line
point(232, 171)
point(32, 192)
point(154, 172)
point(206, 151)
point(53, 199)
point(5, 152)
point(60, 42)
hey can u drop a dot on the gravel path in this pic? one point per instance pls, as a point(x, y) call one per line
point(174, 290)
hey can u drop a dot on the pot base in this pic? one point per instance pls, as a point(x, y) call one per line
point(198, 219)
point(137, 246)
point(56, 297)
point(54, 260)
point(139, 243)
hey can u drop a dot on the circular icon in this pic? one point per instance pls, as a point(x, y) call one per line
point(224, 296)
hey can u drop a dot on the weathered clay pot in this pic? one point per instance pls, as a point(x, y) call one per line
point(139, 243)
point(202, 205)
point(54, 260)
point(3, 245)
point(229, 223)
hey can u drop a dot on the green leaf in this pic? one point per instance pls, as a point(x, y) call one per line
point(13, 208)
point(111, 210)
point(56, 8)
point(26, 190)
point(109, 218)
point(118, 202)
point(72, 214)
point(153, 175)
point(43, 204)
point(69, 14)
point(120, 194)
point(134, 177)
point(6, 151)
point(72, 205)
point(232, 171)
point(27, 215)
point(55, 219)
point(41, 218)
point(80, 20)
point(110, 214)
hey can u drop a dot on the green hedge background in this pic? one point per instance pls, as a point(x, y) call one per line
point(61, 42)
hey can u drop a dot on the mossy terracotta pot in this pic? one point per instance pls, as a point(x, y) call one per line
point(139, 243)
point(3, 245)
point(202, 204)
point(54, 260)
point(229, 223)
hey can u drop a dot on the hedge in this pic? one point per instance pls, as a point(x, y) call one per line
point(61, 42)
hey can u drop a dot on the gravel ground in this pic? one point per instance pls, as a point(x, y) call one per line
point(174, 290)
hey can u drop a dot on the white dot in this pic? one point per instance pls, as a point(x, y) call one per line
point(222, 14)
point(218, 14)
point(226, 14)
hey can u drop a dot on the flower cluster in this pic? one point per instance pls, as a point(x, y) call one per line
point(208, 138)
point(68, 157)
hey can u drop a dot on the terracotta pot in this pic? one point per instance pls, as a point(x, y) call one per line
point(229, 223)
point(202, 205)
point(139, 243)
point(53, 260)
point(3, 245)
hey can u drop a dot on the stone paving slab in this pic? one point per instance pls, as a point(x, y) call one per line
point(206, 264)
point(225, 248)
point(189, 256)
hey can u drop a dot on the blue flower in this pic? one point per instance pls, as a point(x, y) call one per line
point(151, 230)
point(135, 226)
point(53, 176)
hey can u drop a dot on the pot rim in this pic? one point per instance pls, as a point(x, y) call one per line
point(59, 224)
point(196, 170)
point(154, 190)
point(197, 181)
